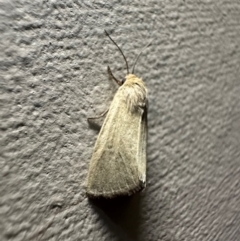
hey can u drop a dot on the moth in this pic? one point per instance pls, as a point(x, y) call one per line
point(118, 163)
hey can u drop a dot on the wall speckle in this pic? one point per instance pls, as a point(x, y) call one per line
point(53, 62)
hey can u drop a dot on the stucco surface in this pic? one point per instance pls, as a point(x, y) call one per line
point(53, 62)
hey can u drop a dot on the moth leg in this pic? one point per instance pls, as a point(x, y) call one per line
point(97, 117)
point(116, 80)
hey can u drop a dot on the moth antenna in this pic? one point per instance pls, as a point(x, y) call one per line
point(140, 55)
point(119, 50)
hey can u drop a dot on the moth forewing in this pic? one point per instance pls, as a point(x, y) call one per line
point(118, 163)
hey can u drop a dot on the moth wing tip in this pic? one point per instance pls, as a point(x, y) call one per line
point(113, 194)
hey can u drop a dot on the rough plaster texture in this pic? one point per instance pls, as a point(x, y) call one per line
point(53, 60)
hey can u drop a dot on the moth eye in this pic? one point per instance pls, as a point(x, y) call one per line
point(122, 81)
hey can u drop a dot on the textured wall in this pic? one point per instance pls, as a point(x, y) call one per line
point(53, 61)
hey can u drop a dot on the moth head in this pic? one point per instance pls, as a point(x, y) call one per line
point(131, 78)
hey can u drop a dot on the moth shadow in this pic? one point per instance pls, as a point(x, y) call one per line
point(121, 215)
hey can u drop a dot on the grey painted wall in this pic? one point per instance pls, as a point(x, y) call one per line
point(53, 62)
